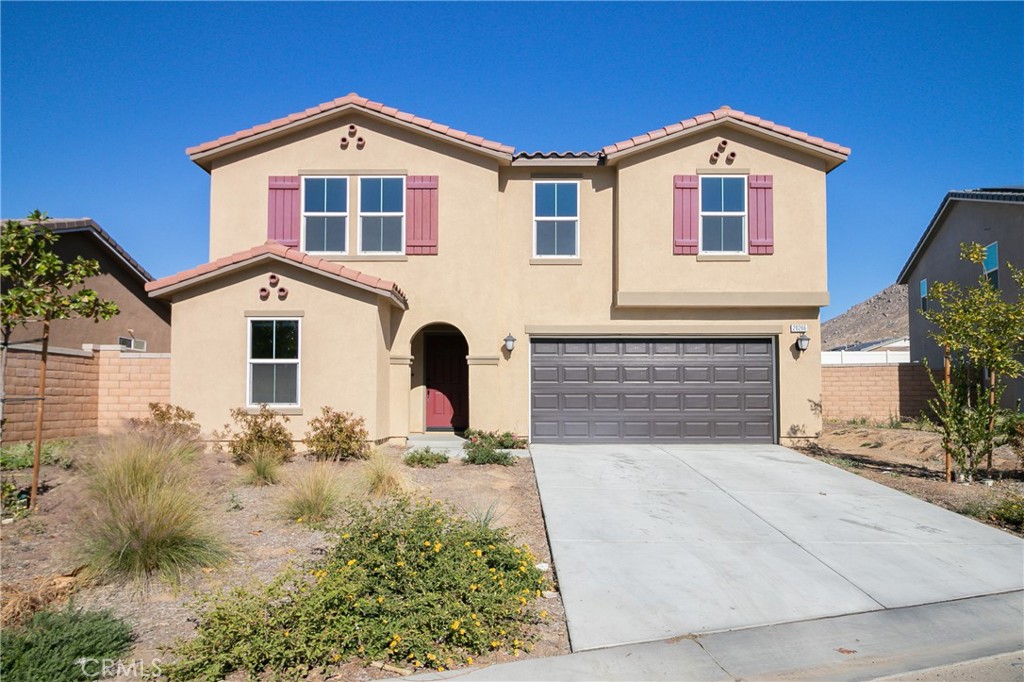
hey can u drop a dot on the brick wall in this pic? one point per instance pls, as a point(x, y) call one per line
point(87, 391)
point(127, 383)
point(876, 392)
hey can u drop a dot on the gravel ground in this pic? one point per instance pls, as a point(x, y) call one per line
point(262, 543)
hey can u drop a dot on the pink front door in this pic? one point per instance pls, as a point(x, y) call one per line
point(447, 381)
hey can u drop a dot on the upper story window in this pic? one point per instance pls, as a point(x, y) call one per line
point(325, 215)
point(273, 361)
point(723, 214)
point(381, 215)
point(991, 263)
point(556, 218)
point(924, 294)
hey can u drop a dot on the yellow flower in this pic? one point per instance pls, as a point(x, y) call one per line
point(416, 663)
point(400, 563)
point(298, 520)
point(469, 660)
point(336, 657)
point(380, 600)
point(351, 562)
point(431, 657)
point(495, 644)
point(455, 624)
point(426, 543)
point(345, 536)
point(543, 614)
point(437, 546)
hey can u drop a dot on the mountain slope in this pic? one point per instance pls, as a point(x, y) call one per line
point(883, 316)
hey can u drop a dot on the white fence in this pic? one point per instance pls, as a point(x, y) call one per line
point(861, 357)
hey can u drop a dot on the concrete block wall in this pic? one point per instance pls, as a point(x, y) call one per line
point(127, 383)
point(88, 391)
point(71, 400)
point(875, 392)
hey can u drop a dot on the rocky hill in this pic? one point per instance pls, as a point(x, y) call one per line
point(883, 316)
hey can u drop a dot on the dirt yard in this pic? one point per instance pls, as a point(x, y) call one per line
point(912, 460)
point(262, 543)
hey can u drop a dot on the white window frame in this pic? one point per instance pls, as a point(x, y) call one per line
point(383, 214)
point(250, 361)
point(989, 271)
point(745, 214)
point(538, 219)
point(325, 214)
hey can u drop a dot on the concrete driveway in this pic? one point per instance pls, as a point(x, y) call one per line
point(652, 542)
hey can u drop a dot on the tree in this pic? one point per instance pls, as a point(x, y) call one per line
point(40, 287)
point(980, 331)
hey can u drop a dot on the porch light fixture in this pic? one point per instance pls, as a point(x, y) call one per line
point(802, 342)
point(510, 342)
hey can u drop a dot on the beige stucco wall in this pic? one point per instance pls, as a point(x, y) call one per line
point(340, 338)
point(644, 193)
point(485, 282)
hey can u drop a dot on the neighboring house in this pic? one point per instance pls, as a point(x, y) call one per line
point(142, 324)
point(992, 217)
point(425, 278)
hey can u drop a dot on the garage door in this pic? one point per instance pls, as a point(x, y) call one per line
point(652, 390)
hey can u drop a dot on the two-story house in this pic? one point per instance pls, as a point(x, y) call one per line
point(381, 263)
point(992, 217)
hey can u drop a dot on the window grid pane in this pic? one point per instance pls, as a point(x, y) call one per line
point(723, 207)
point(381, 214)
point(325, 214)
point(274, 362)
point(553, 203)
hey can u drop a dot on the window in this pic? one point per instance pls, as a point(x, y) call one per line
point(325, 215)
point(991, 263)
point(723, 214)
point(381, 215)
point(556, 214)
point(273, 362)
point(924, 294)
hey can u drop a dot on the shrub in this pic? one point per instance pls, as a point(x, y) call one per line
point(263, 465)
point(480, 452)
point(51, 645)
point(1009, 511)
point(506, 440)
point(146, 514)
point(405, 581)
point(171, 419)
point(425, 458)
point(313, 494)
point(13, 499)
point(337, 436)
point(20, 455)
point(264, 428)
point(382, 475)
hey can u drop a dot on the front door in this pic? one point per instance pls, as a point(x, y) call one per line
point(447, 381)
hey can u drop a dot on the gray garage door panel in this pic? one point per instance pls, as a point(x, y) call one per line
point(653, 390)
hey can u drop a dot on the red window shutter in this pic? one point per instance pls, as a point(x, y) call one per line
point(760, 221)
point(284, 212)
point(421, 215)
point(685, 214)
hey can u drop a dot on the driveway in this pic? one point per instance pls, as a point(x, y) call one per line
point(652, 542)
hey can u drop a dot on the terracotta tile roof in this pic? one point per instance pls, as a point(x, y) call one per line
point(353, 100)
point(719, 114)
point(275, 250)
point(557, 155)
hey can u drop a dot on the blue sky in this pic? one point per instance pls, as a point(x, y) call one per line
point(99, 100)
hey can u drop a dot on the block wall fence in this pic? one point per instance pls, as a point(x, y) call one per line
point(88, 392)
point(875, 392)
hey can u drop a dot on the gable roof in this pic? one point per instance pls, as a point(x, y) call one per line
point(1002, 195)
point(202, 153)
point(837, 153)
point(334, 108)
point(274, 251)
point(99, 235)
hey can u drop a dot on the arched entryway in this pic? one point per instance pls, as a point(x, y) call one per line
point(441, 374)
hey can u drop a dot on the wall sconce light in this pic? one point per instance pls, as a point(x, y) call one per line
point(802, 342)
point(510, 342)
